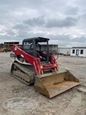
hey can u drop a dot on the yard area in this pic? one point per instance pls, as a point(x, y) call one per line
point(18, 99)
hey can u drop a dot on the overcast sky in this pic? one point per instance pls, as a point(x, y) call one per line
point(63, 21)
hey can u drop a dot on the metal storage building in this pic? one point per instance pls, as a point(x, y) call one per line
point(52, 47)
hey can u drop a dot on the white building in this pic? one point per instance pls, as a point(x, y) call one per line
point(78, 51)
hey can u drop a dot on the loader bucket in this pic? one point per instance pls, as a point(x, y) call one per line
point(53, 84)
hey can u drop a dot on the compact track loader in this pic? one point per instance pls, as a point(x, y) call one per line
point(35, 65)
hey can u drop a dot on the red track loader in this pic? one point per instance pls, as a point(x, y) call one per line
point(35, 65)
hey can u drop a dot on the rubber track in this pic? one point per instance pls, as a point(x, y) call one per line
point(26, 70)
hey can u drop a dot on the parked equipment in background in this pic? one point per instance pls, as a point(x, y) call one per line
point(6, 46)
point(33, 65)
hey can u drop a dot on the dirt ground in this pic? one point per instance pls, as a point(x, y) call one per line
point(19, 99)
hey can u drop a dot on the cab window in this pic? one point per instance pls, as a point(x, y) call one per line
point(28, 45)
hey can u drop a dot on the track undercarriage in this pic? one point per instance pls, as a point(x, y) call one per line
point(23, 73)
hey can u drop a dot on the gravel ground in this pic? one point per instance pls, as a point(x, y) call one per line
point(19, 99)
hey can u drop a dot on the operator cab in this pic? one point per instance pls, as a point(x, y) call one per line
point(37, 47)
